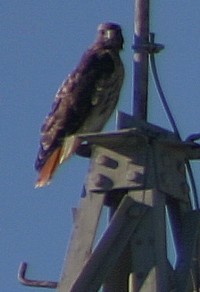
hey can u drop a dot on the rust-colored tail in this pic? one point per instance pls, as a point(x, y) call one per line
point(60, 154)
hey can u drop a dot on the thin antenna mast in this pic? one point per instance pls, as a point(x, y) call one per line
point(141, 38)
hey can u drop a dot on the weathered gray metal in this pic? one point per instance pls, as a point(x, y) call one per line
point(144, 163)
point(86, 218)
point(112, 244)
point(140, 171)
point(141, 38)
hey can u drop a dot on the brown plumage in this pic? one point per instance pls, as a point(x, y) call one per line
point(83, 103)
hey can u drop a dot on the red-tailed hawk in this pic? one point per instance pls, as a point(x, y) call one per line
point(84, 101)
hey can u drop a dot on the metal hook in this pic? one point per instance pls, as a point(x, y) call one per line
point(34, 283)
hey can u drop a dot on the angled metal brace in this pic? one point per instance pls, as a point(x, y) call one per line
point(110, 246)
point(186, 255)
point(33, 283)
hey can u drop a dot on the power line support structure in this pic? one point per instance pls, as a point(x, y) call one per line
point(139, 173)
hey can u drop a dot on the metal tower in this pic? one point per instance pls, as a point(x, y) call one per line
point(139, 172)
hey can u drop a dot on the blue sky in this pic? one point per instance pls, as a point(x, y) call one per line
point(41, 42)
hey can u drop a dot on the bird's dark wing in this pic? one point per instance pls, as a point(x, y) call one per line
point(73, 101)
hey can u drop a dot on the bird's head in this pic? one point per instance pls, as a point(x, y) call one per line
point(110, 36)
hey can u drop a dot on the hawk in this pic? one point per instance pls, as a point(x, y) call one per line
point(83, 103)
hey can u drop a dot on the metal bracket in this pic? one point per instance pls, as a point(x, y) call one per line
point(150, 47)
point(33, 283)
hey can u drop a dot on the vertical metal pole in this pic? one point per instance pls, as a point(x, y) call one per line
point(141, 37)
point(118, 280)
